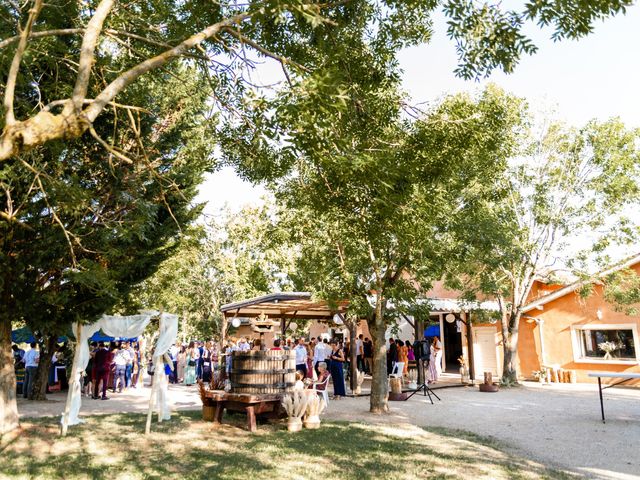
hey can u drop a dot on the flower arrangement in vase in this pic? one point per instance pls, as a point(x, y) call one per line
point(315, 406)
point(608, 347)
point(295, 404)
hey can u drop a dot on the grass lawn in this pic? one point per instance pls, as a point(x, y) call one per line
point(114, 446)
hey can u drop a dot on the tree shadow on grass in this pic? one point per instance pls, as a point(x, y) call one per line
point(114, 446)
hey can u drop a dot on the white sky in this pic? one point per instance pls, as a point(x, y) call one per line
point(595, 77)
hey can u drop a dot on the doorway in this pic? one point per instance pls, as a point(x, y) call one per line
point(484, 348)
point(452, 340)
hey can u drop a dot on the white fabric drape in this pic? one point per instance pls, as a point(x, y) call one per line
point(168, 333)
point(116, 326)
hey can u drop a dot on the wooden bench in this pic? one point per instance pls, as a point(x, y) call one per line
point(254, 405)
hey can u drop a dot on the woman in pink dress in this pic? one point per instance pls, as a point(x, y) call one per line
point(310, 370)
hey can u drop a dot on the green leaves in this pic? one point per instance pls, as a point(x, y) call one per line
point(489, 37)
point(234, 257)
point(622, 290)
point(573, 19)
point(89, 225)
point(379, 203)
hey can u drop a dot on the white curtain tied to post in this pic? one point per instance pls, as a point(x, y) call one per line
point(125, 327)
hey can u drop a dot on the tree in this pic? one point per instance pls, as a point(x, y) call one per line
point(86, 39)
point(67, 63)
point(81, 226)
point(378, 208)
point(569, 185)
point(622, 289)
point(232, 257)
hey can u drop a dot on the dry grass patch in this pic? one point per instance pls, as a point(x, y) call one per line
point(114, 446)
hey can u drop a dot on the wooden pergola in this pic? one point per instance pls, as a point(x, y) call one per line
point(286, 307)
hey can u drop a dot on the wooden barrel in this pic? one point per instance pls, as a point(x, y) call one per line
point(270, 371)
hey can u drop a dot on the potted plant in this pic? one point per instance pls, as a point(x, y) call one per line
point(315, 406)
point(295, 404)
point(540, 375)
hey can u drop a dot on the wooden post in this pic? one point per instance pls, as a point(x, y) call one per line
point(154, 387)
point(74, 380)
point(223, 332)
point(251, 418)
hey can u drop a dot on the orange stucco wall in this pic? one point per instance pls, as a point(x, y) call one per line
point(540, 289)
point(559, 315)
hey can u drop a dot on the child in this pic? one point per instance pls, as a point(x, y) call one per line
point(299, 385)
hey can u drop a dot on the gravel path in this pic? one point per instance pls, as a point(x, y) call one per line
point(558, 425)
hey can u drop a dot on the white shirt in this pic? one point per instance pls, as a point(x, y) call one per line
point(173, 352)
point(359, 347)
point(31, 358)
point(244, 346)
point(320, 353)
point(122, 357)
point(301, 354)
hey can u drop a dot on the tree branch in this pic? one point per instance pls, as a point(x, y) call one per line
point(283, 60)
point(87, 50)
point(10, 86)
point(46, 33)
point(128, 77)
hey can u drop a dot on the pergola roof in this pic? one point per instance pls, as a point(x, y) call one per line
point(284, 305)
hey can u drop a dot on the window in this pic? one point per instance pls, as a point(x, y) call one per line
point(605, 343)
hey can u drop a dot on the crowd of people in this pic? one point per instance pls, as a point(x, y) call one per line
point(320, 358)
point(316, 360)
point(118, 366)
point(402, 352)
point(26, 363)
point(194, 361)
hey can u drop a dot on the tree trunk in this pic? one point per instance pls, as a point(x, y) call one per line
point(8, 403)
point(353, 367)
point(379, 388)
point(224, 326)
point(47, 350)
point(510, 328)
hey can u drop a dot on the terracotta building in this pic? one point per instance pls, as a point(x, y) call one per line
point(562, 328)
point(559, 329)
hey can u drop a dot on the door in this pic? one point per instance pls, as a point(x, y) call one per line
point(452, 340)
point(484, 348)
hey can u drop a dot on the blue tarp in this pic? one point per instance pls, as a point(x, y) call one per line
point(432, 331)
point(101, 337)
point(24, 335)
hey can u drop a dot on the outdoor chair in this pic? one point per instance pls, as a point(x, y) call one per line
point(325, 392)
point(396, 371)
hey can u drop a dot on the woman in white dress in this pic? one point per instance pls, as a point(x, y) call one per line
point(435, 360)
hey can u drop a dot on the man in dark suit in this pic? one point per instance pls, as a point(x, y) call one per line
point(392, 355)
point(101, 366)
